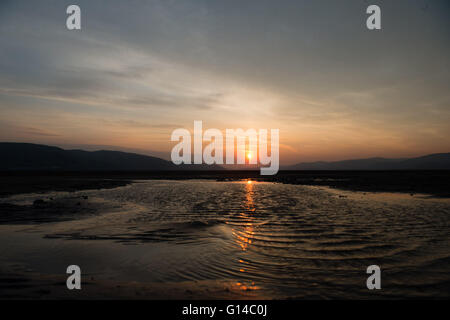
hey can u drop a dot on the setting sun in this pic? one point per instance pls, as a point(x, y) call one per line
point(249, 155)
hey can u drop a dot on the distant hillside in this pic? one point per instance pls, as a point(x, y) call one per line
point(437, 161)
point(28, 156)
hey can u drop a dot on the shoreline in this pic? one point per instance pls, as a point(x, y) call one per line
point(435, 183)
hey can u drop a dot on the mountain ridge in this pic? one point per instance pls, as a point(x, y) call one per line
point(15, 156)
point(436, 161)
point(29, 156)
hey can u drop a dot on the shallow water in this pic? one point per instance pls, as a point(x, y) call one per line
point(267, 240)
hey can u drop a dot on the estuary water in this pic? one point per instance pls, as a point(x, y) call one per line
point(242, 239)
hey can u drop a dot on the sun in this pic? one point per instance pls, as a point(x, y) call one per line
point(249, 155)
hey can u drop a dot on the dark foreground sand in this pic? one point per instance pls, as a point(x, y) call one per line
point(40, 286)
point(15, 183)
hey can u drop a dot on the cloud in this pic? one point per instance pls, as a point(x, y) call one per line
point(39, 132)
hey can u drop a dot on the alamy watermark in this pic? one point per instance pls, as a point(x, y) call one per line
point(74, 280)
point(250, 146)
point(73, 21)
point(374, 280)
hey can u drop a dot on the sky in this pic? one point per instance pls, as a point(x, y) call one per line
point(137, 70)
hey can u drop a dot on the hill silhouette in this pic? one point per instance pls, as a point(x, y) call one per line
point(437, 161)
point(28, 156)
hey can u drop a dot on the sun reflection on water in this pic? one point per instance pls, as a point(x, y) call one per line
point(243, 236)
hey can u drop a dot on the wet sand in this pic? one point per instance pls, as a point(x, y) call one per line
point(21, 279)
